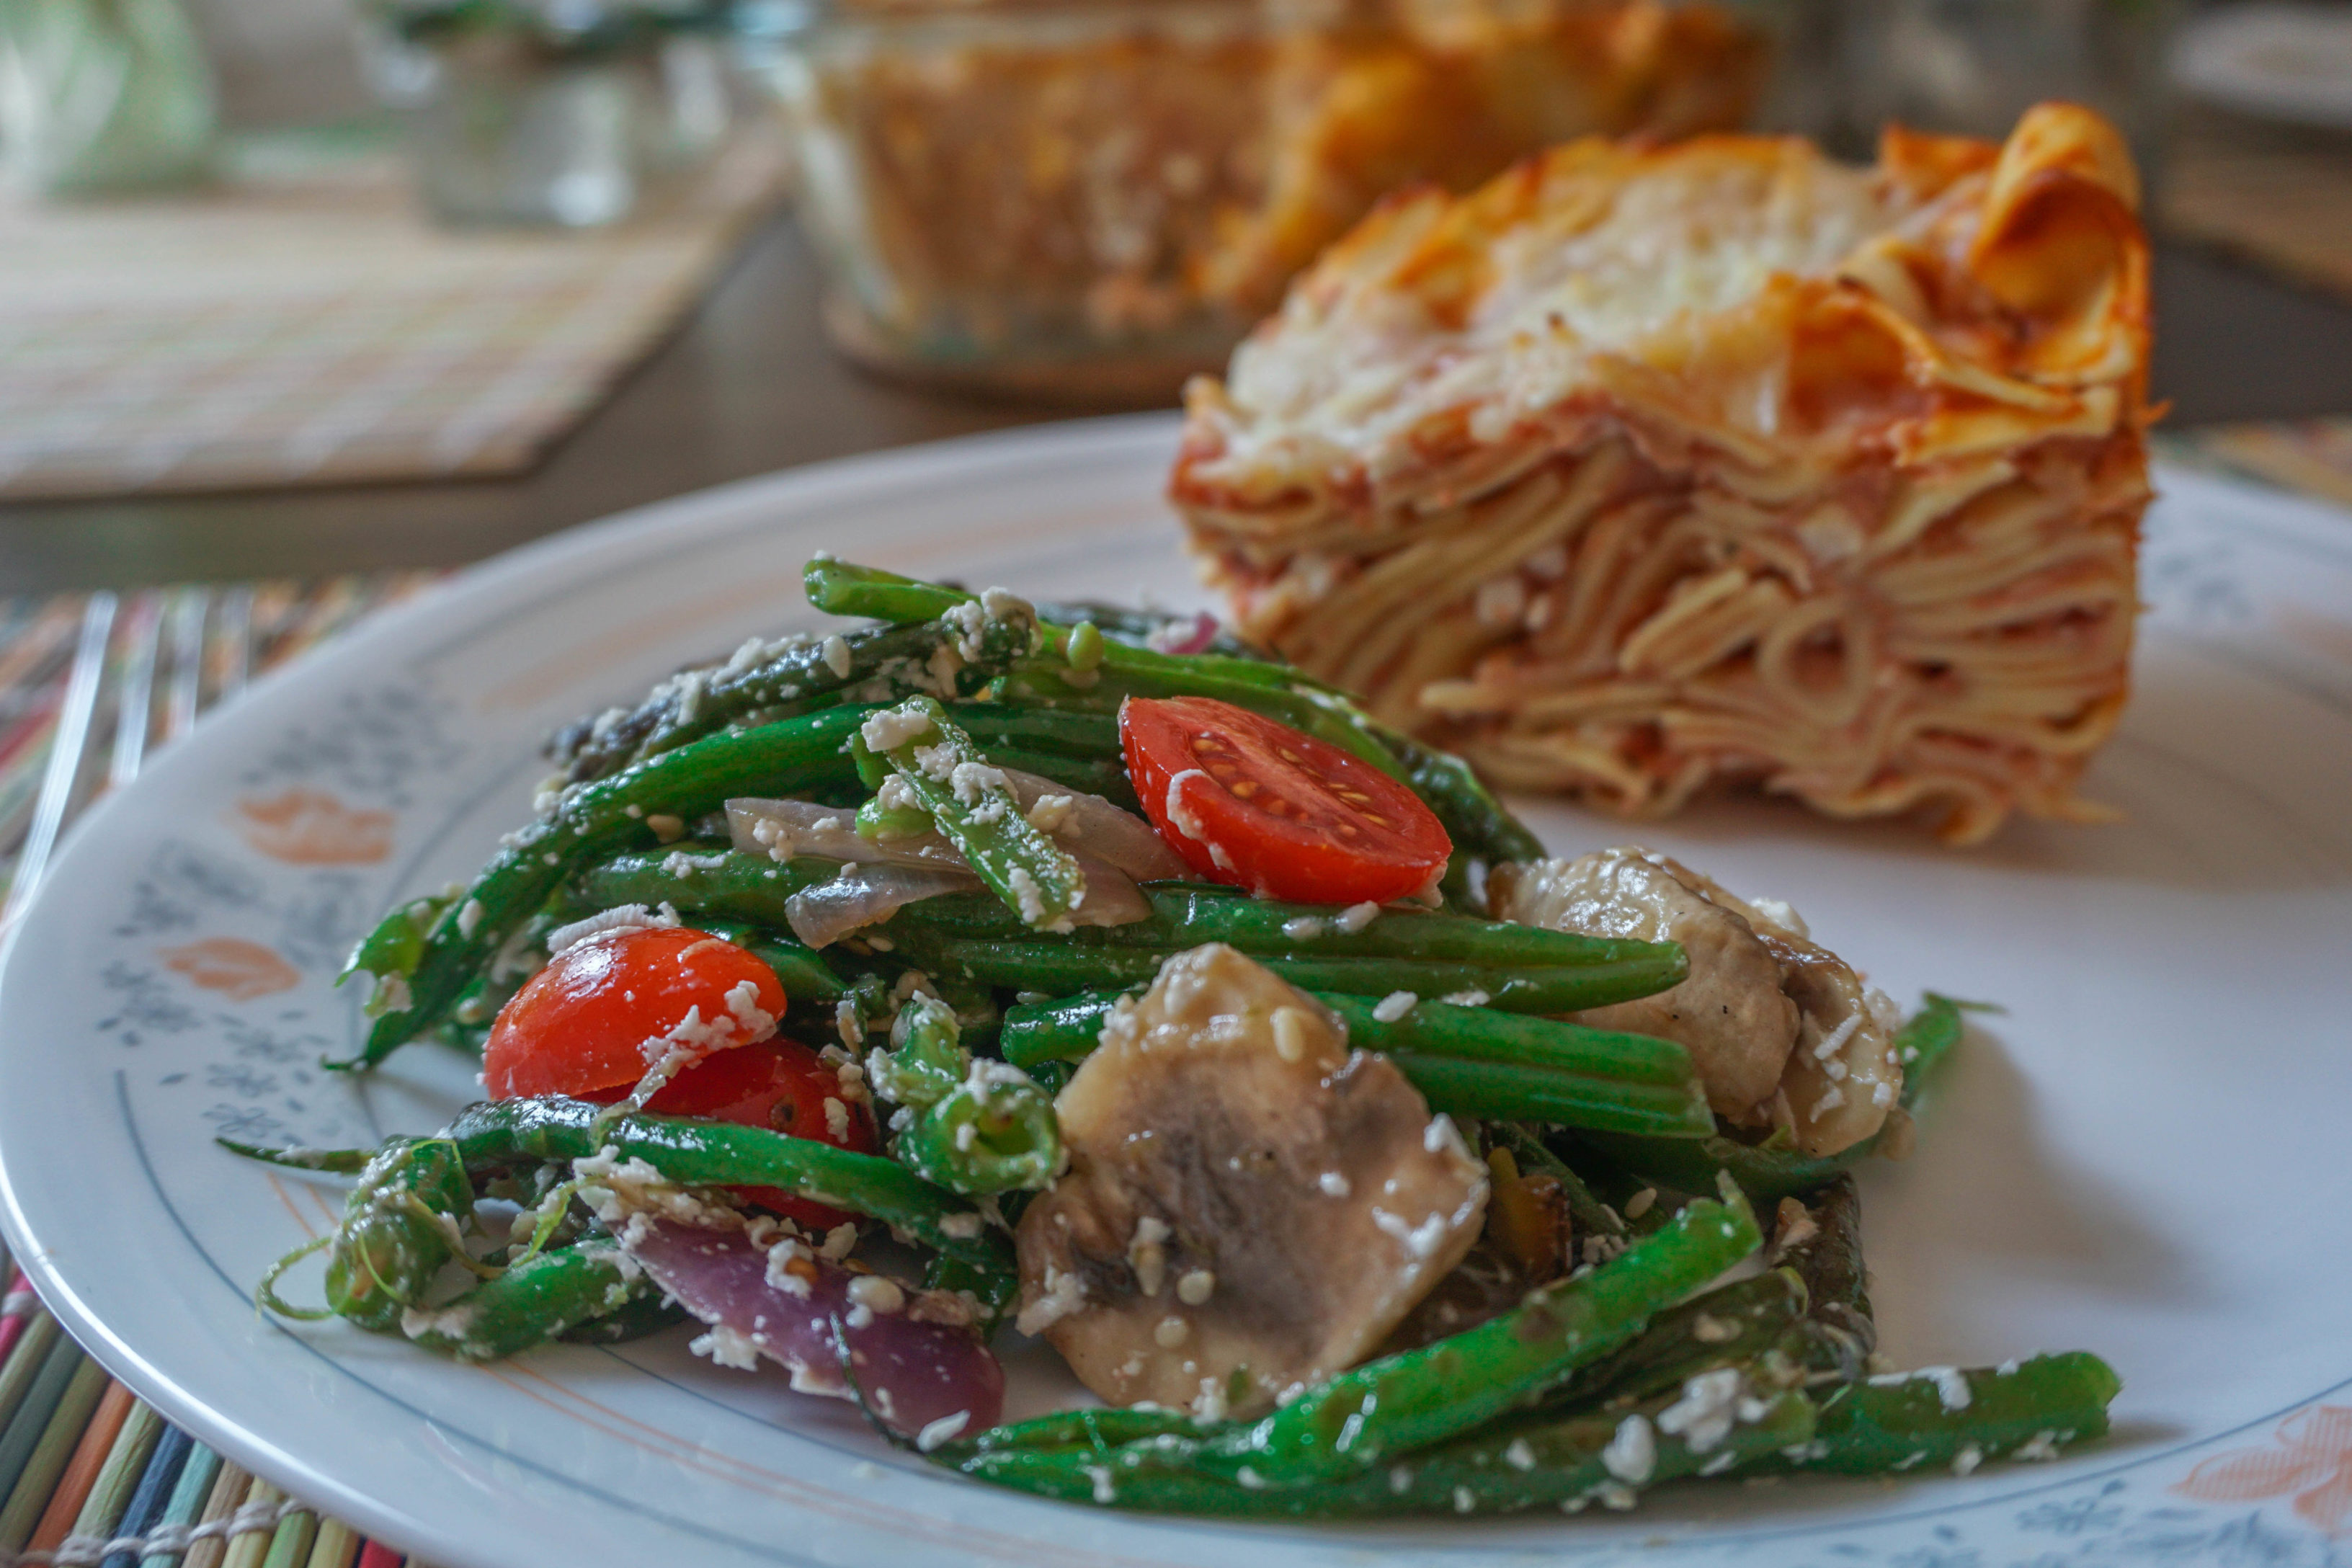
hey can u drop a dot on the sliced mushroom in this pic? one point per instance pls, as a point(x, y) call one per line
point(1780, 1029)
point(1250, 1207)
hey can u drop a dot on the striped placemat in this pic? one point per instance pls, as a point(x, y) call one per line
point(301, 321)
point(89, 684)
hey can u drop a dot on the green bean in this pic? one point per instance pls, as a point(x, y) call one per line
point(646, 1311)
point(1069, 964)
point(1740, 1324)
point(1467, 1061)
point(805, 974)
point(1047, 680)
point(842, 588)
point(598, 818)
point(1362, 1416)
point(1139, 628)
point(716, 1155)
point(335, 1161)
point(533, 1304)
point(796, 676)
point(1838, 1333)
point(1528, 1462)
point(1906, 1421)
point(939, 764)
point(975, 1133)
point(698, 877)
point(400, 1225)
point(993, 1290)
point(1768, 1174)
point(1186, 914)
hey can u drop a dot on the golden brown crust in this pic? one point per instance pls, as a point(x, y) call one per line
point(1639, 468)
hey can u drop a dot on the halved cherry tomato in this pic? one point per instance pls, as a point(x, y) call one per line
point(1253, 803)
point(774, 1083)
point(582, 1023)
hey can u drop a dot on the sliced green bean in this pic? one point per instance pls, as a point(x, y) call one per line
point(1838, 1333)
point(1943, 1417)
point(1467, 1061)
point(533, 1304)
point(1521, 1463)
point(1737, 1324)
point(1068, 965)
point(1184, 915)
point(978, 1132)
point(400, 1225)
point(975, 809)
point(1363, 1416)
point(719, 1154)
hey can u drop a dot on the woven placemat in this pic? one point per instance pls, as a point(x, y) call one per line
point(300, 322)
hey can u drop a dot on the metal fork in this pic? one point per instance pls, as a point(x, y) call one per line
point(99, 682)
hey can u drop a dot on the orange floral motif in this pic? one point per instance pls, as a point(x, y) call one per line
point(311, 828)
point(239, 969)
point(2312, 1460)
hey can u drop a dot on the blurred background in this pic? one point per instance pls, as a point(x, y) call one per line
point(293, 288)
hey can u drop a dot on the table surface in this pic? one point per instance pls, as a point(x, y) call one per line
point(748, 385)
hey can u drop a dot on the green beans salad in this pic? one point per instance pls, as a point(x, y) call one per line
point(979, 967)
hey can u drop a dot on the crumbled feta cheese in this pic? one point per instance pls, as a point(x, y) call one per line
point(1966, 1461)
point(1632, 1453)
point(1395, 1006)
point(1355, 917)
point(726, 1347)
point(1196, 1287)
point(1303, 928)
point(944, 1429)
point(835, 654)
point(1333, 1183)
point(1063, 1294)
point(1704, 1415)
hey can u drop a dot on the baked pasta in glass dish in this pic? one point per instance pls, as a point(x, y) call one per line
point(1642, 469)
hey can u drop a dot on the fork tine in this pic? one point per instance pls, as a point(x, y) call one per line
point(134, 702)
point(187, 660)
point(237, 641)
point(58, 783)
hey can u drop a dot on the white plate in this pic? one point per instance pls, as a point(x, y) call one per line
point(2288, 62)
point(2144, 1156)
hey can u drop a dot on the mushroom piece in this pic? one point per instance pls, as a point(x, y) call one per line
point(1250, 1207)
point(1780, 1030)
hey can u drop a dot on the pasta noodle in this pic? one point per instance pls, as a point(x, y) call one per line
point(1639, 471)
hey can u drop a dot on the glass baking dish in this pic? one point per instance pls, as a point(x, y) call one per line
point(1086, 200)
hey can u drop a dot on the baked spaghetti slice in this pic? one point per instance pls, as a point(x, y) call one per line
point(1642, 469)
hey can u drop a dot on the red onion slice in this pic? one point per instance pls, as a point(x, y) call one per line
point(1091, 826)
point(864, 894)
point(1112, 896)
point(919, 1365)
point(801, 827)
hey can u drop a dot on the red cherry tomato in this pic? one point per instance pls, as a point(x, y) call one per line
point(779, 1084)
point(1253, 803)
point(581, 1024)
